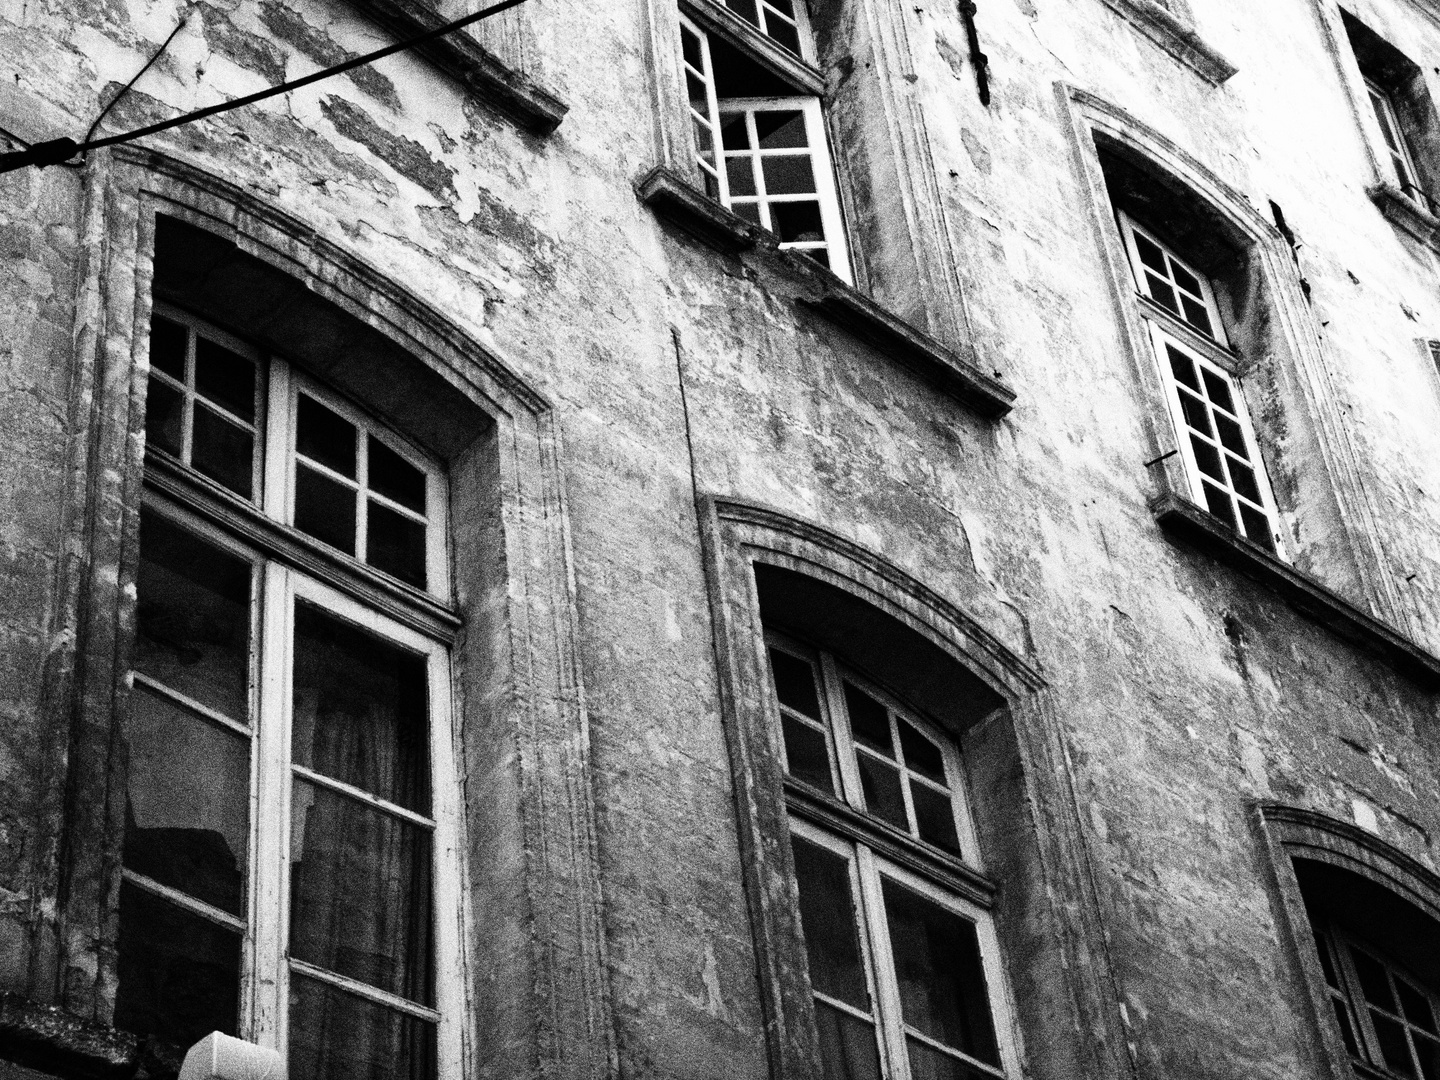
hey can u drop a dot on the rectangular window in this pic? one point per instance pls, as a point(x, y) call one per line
point(1212, 425)
point(1397, 150)
point(903, 967)
point(290, 795)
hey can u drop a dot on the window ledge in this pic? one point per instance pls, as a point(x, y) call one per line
point(51, 1040)
point(1404, 213)
point(725, 24)
point(1176, 37)
point(669, 195)
point(1185, 521)
point(464, 59)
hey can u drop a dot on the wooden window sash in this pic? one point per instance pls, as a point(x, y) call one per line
point(1129, 231)
point(1359, 1005)
point(706, 74)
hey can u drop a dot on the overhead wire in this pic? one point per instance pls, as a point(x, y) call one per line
point(136, 78)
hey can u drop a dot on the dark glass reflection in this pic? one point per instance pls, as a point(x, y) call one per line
point(827, 919)
point(335, 1035)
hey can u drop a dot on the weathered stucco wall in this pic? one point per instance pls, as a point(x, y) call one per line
point(1182, 689)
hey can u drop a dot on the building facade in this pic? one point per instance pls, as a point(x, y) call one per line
point(674, 539)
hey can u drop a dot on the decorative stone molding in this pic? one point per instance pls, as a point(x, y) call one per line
point(1174, 32)
point(1185, 521)
point(673, 198)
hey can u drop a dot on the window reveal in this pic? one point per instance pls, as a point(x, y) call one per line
point(1396, 147)
point(901, 967)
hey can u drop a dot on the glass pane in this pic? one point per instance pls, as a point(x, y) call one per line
point(396, 544)
point(788, 174)
point(360, 893)
point(1219, 504)
point(747, 210)
point(222, 451)
point(168, 341)
point(784, 34)
point(1196, 415)
point(1394, 1047)
point(179, 974)
point(704, 144)
point(795, 683)
point(935, 816)
point(807, 754)
point(690, 46)
point(394, 477)
point(164, 417)
point(187, 804)
point(780, 130)
point(1373, 980)
point(1183, 368)
point(1415, 1006)
point(325, 508)
point(1186, 280)
point(699, 99)
point(325, 436)
point(338, 1036)
point(740, 172)
point(818, 255)
point(881, 784)
point(1162, 293)
point(1218, 390)
point(797, 222)
point(1327, 963)
point(921, 754)
point(226, 378)
point(1231, 436)
point(1197, 316)
point(1207, 458)
point(1347, 1030)
point(782, 6)
point(734, 135)
point(745, 9)
point(1242, 479)
point(827, 918)
point(1257, 528)
point(1428, 1051)
point(194, 617)
point(847, 1045)
point(927, 1063)
point(937, 963)
point(1151, 255)
point(360, 709)
point(869, 720)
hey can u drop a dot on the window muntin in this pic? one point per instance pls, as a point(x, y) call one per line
point(1396, 147)
point(291, 780)
point(779, 20)
point(1387, 1018)
point(1217, 443)
point(704, 114)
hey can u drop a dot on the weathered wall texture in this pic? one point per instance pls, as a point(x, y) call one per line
point(1181, 689)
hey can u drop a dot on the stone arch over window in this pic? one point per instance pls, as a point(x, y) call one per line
point(535, 936)
point(1360, 918)
point(868, 624)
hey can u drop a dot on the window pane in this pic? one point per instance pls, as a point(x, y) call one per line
point(749, 211)
point(179, 974)
point(927, 1063)
point(699, 98)
point(1231, 436)
point(1218, 390)
point(394, 477)
point(1373, 980)
point(881, 784)
point(226, 378)
point(187, 804)
point(1183, 368)
point(1257, 528)
point(1197, 316)
point(795, 683)
point(847, 1045)
point(818, 255)
point(827, 918)
point(1428, 1051)
point(740, 172)
point(396, 544)
point(937, 964)
point(1162, 293)
point(1394, 1048)
point(1415, 1006)
point(1242, 479)
point(335, 1035)
point(784, 34)
point(194, 617)
point(780, 130)
point(869, 720)
point(325, 436)
point(222, 451)
point(1196, 415)
point(807, 754)
point(360, 710)
point(745, 9)
point(690, 46)
point(734, 135)
point(797, 222)
point(1207, 458)
point(360, 893)
point(1151, 255)
point(164, 417)
point(168, 342)
point(1219, 504)
point(1327, 963)
point(921, 754)
point(1186, 280)
point(1347, 1030)
point(935, 816)
point(788, 174)
point(325, 508)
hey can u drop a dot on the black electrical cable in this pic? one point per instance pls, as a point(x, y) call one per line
point(148, 65)
point(58, 151)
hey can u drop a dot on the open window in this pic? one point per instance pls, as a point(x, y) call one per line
point(757, 123)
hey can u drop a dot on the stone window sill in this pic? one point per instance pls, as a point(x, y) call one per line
point(1177, 37)
point(48, 1039)
point(1185, 521)
point(469, 63)
point(671, 197)
point(1406, 214)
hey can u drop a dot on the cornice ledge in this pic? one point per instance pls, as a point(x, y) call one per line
point(1185, 521)
point(675, 199)
point(1405, 214)
point(464, 59)
point(1177, 38)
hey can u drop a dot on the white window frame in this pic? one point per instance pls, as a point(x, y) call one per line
point(766, 9)
point(275, 588)
point(868, 868)
point(1394, 143)
point(1211, 353)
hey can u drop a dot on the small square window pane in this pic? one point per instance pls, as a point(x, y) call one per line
point(1207, 458)
point(226, 378)
point(395, 478)
point(807, 754)
point(869, 720)
point(780, 130)
point(1183, 368)
point(1219, 504)
point(691, 47)
point(740, 173)
point(1218, 390)
point(335, 1035)
point(935, 817)
point(699, 98)
point(325, 436)
point(1394, 1047)
point(1415, 1006)
point(1196, 415)
point(1187, 281)
point(1197, 316)
point(1257, 528)
point(396, 544)
point(1162, 294)
point(795, 683)
point(847, 1045)
point(1242, 479)
point(745, 9)
point(164, 417)
point(827, 919)
point(881, 785)
point(921, 755)
point(788, 174)
point(168, 342)
point(1231, 436)
point(797, 222)
point(734, 134)
point(222, 451)
point(325, 509)
point(1373, 980)
point(178, 973)
point(1151, 255)
point(784, 35)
